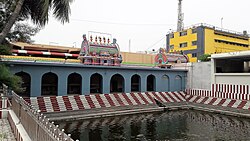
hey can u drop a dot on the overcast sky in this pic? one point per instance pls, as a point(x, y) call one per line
point(144, 22)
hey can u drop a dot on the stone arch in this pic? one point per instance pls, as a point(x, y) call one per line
point(117, 83)
point(151, 82)
point(49, 84)
point(74, 84)
point(96, 83)
point(135, 83)
point(166, 80)
point(26, 83)
point(178, 82)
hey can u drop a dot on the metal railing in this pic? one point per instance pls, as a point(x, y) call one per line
point(37, 125)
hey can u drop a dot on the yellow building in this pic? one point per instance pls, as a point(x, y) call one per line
point(206, 39)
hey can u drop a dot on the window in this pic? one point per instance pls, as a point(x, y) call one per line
point(194, 54)
point(171, 35)
point(194, 30)
point(183, 33)
point(194, 43)
point(171, 46)
point(183, 45)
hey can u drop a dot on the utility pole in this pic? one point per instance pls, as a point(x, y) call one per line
point(180, 23)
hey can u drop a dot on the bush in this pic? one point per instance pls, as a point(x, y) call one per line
point(205, 57)
point(5, 50)
point(12, 81)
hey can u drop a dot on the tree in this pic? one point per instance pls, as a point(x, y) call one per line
point(36, 10)
point(205, 57)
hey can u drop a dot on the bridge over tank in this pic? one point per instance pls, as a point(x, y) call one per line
point(59, 79)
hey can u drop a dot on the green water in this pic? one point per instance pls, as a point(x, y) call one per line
point(167, 126)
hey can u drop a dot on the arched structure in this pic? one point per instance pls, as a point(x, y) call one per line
point(49, 84)
point(117, 83)
point(135, 83)
point(166, 82)
point(178, 82)
point(151, 83)
point(96, 83)
point(26, 82)
point(74, 84)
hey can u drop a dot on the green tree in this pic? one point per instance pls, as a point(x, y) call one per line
point(204, 57)
point(36, 10)
point(12, 81)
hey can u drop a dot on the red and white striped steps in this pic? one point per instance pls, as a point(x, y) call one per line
point(81, 102)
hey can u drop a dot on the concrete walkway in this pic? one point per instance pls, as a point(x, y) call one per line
point(5, 131)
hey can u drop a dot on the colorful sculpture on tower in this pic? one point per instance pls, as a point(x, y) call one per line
point(100, 51)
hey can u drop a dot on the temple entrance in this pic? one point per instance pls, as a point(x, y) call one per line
point(49, 84)
point(135, 83)
point(26, 82)
point(151, 83)
point(117, 84)
point(74, 84)
point(96, 83)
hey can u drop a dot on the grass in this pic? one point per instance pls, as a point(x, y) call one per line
point(138, 64)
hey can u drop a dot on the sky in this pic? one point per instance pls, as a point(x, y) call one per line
point(144, 23)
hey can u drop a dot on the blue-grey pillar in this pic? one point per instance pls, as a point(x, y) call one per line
point(86, 85)
point(143, 83)
point(127, 85)
point(62, 84)
point(36, 84)
point(106, 84)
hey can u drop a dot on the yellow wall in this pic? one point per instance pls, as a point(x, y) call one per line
point(137, 58)
point(209, 41)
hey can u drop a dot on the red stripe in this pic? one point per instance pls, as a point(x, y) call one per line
point(157, 97)
point(164, 96)
point(172, 97)
point(100, 101)
point(242, 104)
point(0, 114)
point(34, 52)
point(212, 101)
point(127, 99)
point(79, 102)
point(27, 99)
point(41, 104)
point(135, 98)
point(231, 103)
point(204, 100)
point(109, 100)
point(150, 97)
point(190, 97)
point(54, 103)
point(90, 102)
point(197, 98)
point(118, 99)
point(67, 103)
point(143, 98)
point(221, 102)
point(176, 95)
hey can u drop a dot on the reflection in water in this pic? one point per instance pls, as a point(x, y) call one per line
point(174, 125)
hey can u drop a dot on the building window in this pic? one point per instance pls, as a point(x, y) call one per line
point(194, 54)
point(171, 46)
point(194, 43)
point(194, 30)
point(171, 35)
point(183, 33)
point(183, 45)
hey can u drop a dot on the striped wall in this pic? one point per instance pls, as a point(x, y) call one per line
point(4, 104)
point(81, 102)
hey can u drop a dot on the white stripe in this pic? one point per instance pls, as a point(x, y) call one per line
point(200, 99)
point(61, 103)
point(123, 99)
point(73, 103)
point(48, 104)
point(131, 99)
point(180, 96)
point(193, 98)
point(170, 99)
point(46, 53)
point(237, 103)
point(159, 95)
point(174, 97)
point(84, 102)
point(139, 98)
point(146, 97)
point(246, 105)
point(34, 103)
point(114, 100)
point(217, 101)
point(226, 102)
point(105, 101)
point(208, 100)
point(67, 54)
point(96, 103)
point(22, 51)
